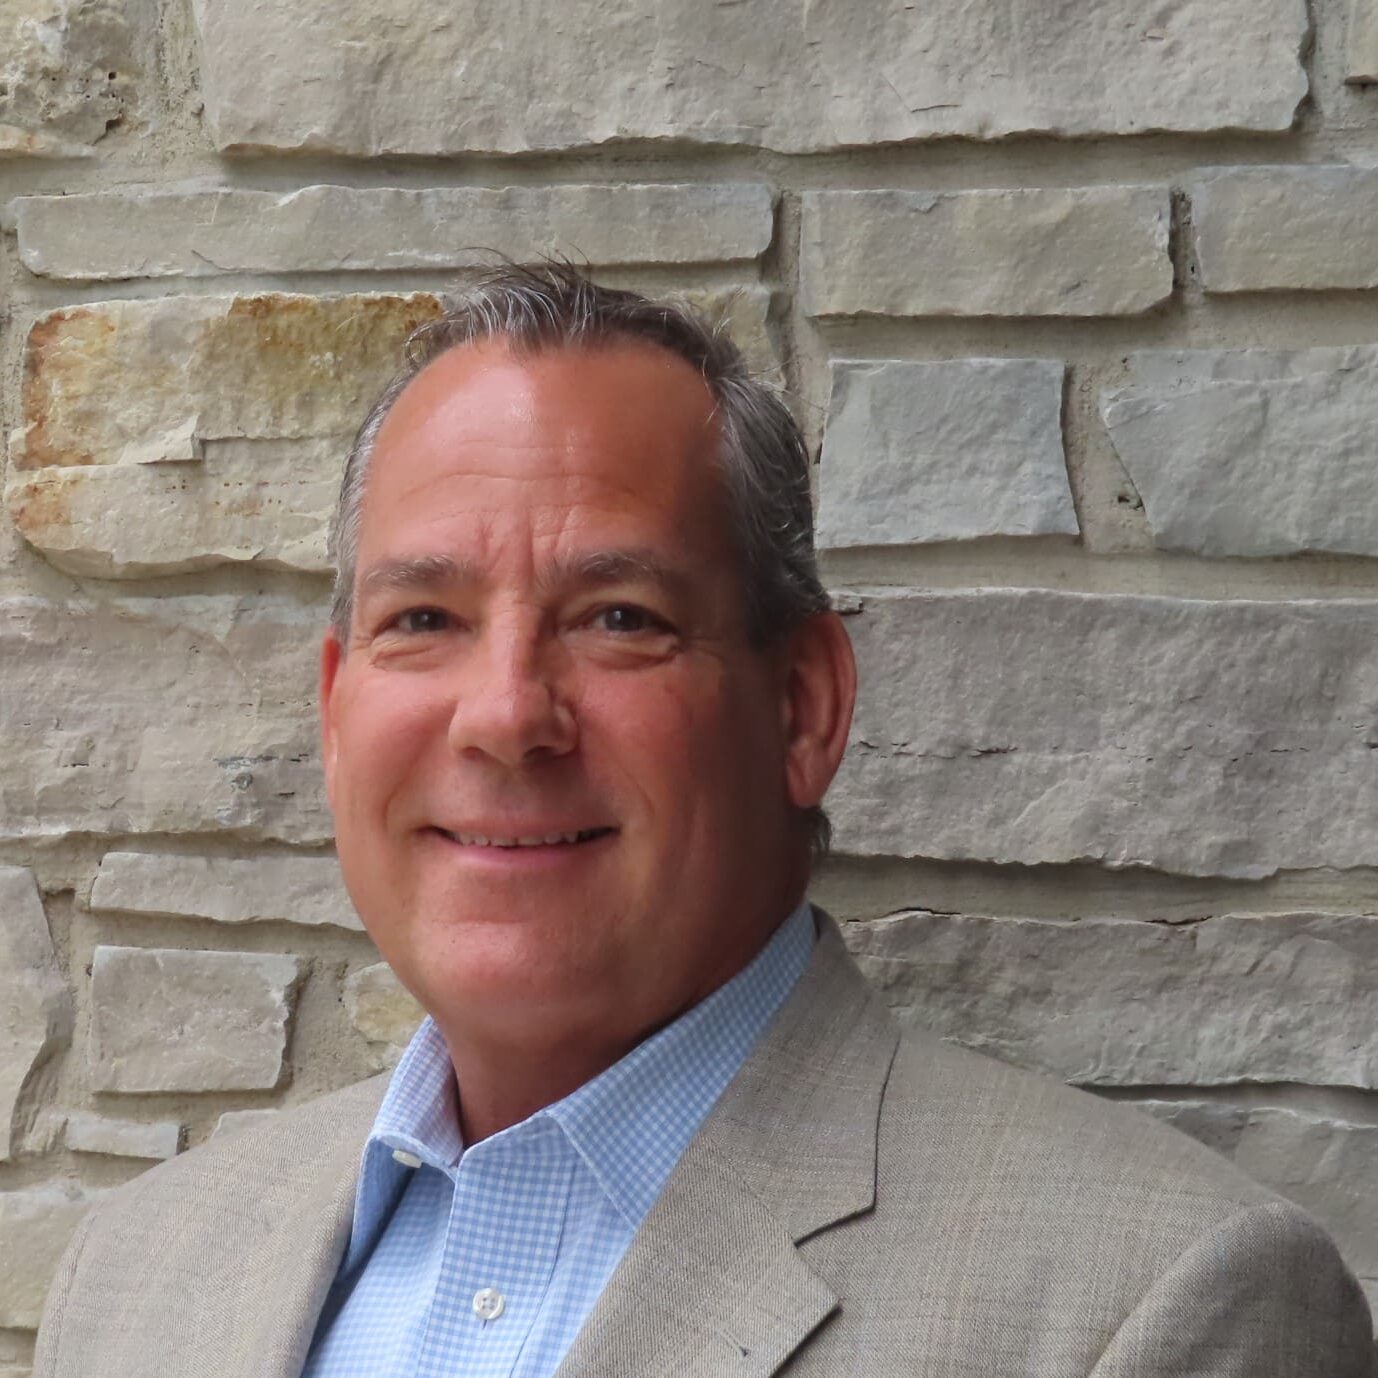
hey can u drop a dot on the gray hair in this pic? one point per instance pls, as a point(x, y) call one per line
point(762, 456)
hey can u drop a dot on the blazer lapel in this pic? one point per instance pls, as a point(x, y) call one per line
point(307, 1217)
point(713, 1285)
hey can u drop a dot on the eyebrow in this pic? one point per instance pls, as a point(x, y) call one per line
point(599, 568)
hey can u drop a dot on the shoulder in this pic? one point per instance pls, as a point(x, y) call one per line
point(300, 1141)
point(946, 1105)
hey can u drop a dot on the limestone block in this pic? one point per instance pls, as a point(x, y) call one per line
point(171, 435)
point(163, 1019)
point(1063, 251)
point(151, 716)
point(69, 75)
point(1119, 1002)
point(1029, 726)
point(35, 1005)
point(293, 889)
point(1252, 452)
point(36, 1224)
point(1294, 228)
point(485, 79)
point(232, 1121)
point(196, 233)
point(382, 1010)
point(90, 1133)
point(1326, 1165)
point(916, 452)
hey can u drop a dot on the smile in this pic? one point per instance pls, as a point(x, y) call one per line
point(539, 840)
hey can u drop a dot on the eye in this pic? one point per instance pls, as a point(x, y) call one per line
point(420, 621)
point(627, 618)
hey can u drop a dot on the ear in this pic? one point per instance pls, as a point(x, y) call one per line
point(820, 693)
point(332, 654)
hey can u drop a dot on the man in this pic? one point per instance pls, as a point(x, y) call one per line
point(581, 698)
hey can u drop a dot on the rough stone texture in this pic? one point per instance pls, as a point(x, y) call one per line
point(138, 716)
point(1064, 251)
point(335, 228)
point(296, 889)
point(36, 1225)
point(1293, 228)
point(232, 1121)
point(1252, 452)
point(509, 80)
point(1110, 1002)
point(68, 74)
point(90, 1133)
point(167, 1020)
point(1030, 726)
point(167, 436)
point(163, 436)
point(1326, 1165)
point(36, 1011)
point(383, 1010)
point(918, 452)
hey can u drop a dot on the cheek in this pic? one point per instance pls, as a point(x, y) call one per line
point(381, 728)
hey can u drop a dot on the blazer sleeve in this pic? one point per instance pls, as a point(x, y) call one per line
point(1263, 1295)
point(46, 1357)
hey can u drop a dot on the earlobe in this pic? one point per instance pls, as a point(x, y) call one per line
point(820, 696)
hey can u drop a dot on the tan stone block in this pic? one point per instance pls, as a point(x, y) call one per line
point(91, 1133)
point(70, 73)
point(164, 1019)
point(168, 435)
point(382, 1010)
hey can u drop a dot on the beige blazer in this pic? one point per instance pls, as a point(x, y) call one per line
point(856, 1204)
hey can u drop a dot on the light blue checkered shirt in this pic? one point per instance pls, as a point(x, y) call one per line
point(532, 1221)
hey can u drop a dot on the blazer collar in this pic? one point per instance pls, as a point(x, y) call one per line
point(713, 1283)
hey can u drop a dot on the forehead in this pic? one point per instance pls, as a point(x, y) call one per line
point(620, 416)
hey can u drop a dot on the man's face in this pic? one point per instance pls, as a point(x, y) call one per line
point(557, 767)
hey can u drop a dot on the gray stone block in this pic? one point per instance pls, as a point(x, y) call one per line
point(164, 1019)
point(1252, 452)
point(1325, 1164)
point(513, 80)
point(293, 889)
point(186, 716)
point(1286, 228)
point(1119, 1002)
point(917, 452)
point(1030, 727)
point(36, 1012)
point(1061, 251)
point(90, 1133)
point(149, 232)
point(36, 1224)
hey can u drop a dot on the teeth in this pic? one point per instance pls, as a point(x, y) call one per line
point(547, 840)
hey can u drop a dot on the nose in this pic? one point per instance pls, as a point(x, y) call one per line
point(509, 705)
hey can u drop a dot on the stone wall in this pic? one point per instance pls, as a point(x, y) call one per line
point(1078, 307)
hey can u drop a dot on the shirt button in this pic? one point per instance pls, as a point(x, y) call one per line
point(489, 1303)
point(401, 1155)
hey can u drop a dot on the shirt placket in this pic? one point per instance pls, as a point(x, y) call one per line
point(507, 1216)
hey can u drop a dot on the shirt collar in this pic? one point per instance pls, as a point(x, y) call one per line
point(629, 1125)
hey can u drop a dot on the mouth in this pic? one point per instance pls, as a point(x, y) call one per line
point(567, 839)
